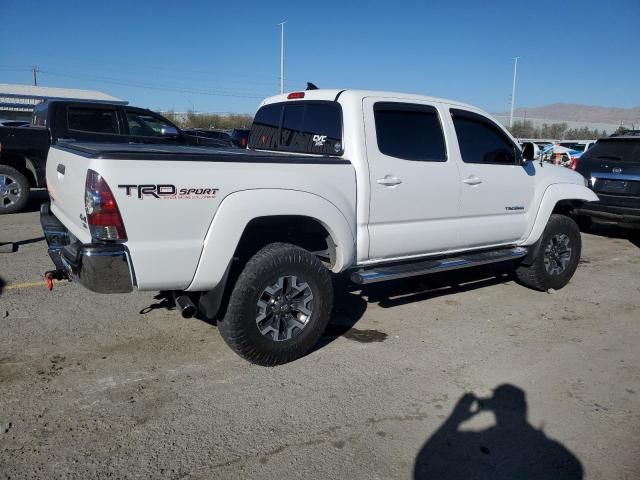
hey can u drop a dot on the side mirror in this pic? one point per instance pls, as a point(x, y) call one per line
point(528, 151)
point(169, 131)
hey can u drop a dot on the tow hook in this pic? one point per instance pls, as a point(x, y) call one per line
point(52, 275)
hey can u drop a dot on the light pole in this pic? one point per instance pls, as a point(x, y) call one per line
point(513, 90)
point(282, 56)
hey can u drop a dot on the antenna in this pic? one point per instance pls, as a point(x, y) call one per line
point(281, 24)
point(513, 90)
point(34, 71)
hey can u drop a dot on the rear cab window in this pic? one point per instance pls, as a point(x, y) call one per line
point(313, 127)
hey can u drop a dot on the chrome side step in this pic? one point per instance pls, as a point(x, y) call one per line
point(391, 272)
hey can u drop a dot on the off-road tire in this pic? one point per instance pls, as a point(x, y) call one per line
point(536, 275)
point(239, 328)
point(23, 183)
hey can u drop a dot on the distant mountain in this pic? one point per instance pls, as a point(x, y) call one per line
point(567, 112)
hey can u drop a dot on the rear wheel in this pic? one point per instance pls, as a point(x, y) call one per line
point(557, 257)
point(14, 190)
point(279, 307)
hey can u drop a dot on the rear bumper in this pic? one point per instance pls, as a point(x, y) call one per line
point(101, 268)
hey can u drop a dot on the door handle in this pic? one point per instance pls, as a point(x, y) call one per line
point(61, 168)
point(389, 181)
point(472, 180)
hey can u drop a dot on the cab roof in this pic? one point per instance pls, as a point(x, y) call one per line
point(333, 94)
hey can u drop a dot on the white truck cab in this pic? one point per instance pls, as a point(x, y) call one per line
point(382, 185)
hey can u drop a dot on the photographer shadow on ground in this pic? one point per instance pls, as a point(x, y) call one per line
point(511, 449)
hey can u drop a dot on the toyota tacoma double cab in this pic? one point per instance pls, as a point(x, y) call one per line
point(378, 185)
point(24, 149)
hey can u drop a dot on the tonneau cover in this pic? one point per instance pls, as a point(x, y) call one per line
point(141, 151)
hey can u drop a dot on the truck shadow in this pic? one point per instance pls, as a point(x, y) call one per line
point(510, 449)
point(15, 246)
point(351, 301)
point(614, 231)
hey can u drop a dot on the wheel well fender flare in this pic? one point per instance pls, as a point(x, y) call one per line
point(28, 164)
point(239, 208)
point(555, 194)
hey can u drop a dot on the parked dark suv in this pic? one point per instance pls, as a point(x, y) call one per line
point(612, 167)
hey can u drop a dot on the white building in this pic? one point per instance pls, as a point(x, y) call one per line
point(17, 101)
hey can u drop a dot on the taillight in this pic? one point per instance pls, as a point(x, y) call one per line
point(294, 95)
point(573, 165)
point(103, 216)
point(243, 142)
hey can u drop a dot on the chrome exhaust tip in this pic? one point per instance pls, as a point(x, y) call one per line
point(184, 304)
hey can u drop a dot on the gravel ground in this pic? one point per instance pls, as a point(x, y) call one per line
point(95, 386)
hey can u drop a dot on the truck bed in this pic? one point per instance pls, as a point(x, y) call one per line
point(168, 231)
point(140, 151)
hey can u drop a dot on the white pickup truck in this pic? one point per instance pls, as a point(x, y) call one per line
point(382, 185)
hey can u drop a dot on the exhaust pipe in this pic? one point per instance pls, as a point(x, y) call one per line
point(184, 304)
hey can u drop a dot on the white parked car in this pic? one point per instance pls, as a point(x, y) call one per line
point(382, 185)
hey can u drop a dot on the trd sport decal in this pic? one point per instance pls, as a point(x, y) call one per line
point(168, 192)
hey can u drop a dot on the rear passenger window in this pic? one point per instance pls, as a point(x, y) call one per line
point(93, 120)
point(306, 127)
point(409, 132)
point(481, 141)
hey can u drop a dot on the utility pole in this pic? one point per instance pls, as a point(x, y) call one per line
point(282, 56)
point(513, 90)
point(34, 71)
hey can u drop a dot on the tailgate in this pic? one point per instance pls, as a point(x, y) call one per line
point(66, 176)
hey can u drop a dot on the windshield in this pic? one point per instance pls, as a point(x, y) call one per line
point(622, 150)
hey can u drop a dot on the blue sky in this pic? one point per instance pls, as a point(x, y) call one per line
point(224, 56)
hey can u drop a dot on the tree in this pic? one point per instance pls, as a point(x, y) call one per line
point(172, 117)
point(621, 130)
point(559, 131)
point(522, 129)
point(209, 120)
point(221, 122)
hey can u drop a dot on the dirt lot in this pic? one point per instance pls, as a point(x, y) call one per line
point(95, 386)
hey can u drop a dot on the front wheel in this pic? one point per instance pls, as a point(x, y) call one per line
point(584, 222)
point(557, 258)
point(14, 190)
point(279, 307)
